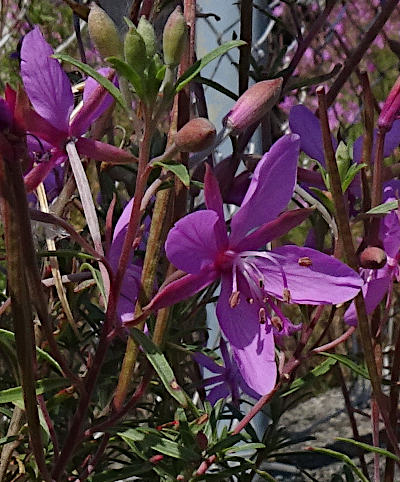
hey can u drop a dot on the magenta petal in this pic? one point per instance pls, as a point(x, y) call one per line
point(181, 289)
point(251, 342)
point(373, 292)
point(326, 280)
point(194, 242)
point(119, 235)
point(304, 123)
point(96, 100)
point(100, 151)
point(42, 128)
point(129, 293)
point(212, 193)
point(213, 200)
point(45, 82)
point(390, 224)
point(272, 230)
point(392, 140)
point(206, 362)
point(37, 175)
point(218, 392)
point(270, 189)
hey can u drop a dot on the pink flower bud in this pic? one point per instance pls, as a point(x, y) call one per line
point(198, 134)
point(253, 105)
point(390, 108)
point(372, 258)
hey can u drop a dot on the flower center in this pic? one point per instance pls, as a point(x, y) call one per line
point(246, 265)
point(225, 260)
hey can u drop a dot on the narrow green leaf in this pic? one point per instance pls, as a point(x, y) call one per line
point(384, 208)
point(179, 170)
point(196, 68)
point(42, 386)
point(370, 448)
point(137, 468)
point(225, 443)
point(248, 446)
point(345, 360)
point(107, 84)
point(351, 174)
point(215, 85)
point(344, 458)
point(161, 366)
point(129, 73)
point(7, 440)
point(159, 444)
point(9, 335)
point(96, 276)
point(309, 379)
point(324, 199)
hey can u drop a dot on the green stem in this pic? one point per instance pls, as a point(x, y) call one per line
point(158, 231)
point(346, 237)
point(76, 427)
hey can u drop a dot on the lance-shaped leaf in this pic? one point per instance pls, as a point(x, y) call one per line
point(161, 366)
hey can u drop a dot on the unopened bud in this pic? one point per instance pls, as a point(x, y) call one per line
point(135, 50)
point(201, 440)
point(197, 135)
point(253, 104)
point(104, 33)
point(146, 30)
point(390, 108)
point(372, 258)
point(174, 38)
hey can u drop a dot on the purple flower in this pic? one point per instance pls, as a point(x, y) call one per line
point(304, 123)
point(131, 282)
point(253, 280)
point(49, 91)
point(379, 282)
point(228, 380)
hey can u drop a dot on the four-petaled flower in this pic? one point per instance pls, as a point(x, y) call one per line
point(253, 280)
point(49, 91)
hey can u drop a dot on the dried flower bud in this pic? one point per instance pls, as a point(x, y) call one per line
point(253, 105)
point(174, 38)
point(104, 33)
point(372, 258)
point(197, 135)
point(390, 108)
point(146, 30)
point(201, 440)
point(135, 50)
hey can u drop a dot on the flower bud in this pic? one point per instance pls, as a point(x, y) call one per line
point(201, 440)
point(195, 136)
point(135, 50)
point(174, 38)
point(104, 33)
point(390, 108)
point(372, 258)
point(253, 104)
point(146, 30)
